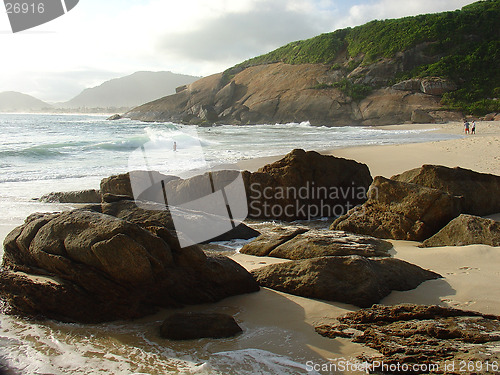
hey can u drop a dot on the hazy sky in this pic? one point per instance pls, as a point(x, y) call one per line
point(103, 39)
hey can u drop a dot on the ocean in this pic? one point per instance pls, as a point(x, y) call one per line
point(40, 154)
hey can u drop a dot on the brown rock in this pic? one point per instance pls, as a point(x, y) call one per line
point(190, 326)
point(419, 116)
point(480, 191)
point(416, 334)
point(437, 86)
point(302, 243)
point(350, 279)
point(83, 196)
point(304, 185)
point(86, 266)
point(400, 210)
point(467, 230)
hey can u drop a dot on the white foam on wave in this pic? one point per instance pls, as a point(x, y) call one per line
point(251, 362)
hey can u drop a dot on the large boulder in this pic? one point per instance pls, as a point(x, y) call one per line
point(302, 243)
point(304, 185)
point(401, 211)
point(190, 326)
point(86, 266)
point(350, 279)
point(410, 334)
point(467, 230)
point(481, 191)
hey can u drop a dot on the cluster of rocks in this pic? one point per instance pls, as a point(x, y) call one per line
point(417, 204)
point(418, 335)
point(332, 265)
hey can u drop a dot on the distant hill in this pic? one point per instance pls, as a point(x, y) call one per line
point(11, 101)
point(129, 91)
point(427, 68)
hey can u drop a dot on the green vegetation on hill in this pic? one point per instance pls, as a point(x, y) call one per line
point(467, 42)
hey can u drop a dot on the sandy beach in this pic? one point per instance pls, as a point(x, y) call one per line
point(470, 273)
point(284, 324)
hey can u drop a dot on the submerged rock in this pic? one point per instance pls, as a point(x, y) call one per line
point(401, 211)
point(350, 279)
point(86, 266)
point(190, 326)
point(417, 334)
point(467, 230)
point(302, 243)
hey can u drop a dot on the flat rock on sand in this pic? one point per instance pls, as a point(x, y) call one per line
point(350, 279)
point(419, 334)
point(292, 242)
point(467, 230)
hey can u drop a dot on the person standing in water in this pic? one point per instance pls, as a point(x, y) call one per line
point(175, 146)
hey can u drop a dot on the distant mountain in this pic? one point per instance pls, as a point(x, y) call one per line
point(11, 101)
point(129, 91)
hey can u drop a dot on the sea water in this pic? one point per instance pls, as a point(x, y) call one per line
point(40, 154)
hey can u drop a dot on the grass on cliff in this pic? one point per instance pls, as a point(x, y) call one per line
point(467, 41)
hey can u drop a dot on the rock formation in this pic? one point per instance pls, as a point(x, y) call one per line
point(350, 279)
point(304, 185)
point(467, 230)
point(480, 191)
point(83, 196)
point(417, 334)
point(400, 210)
point(86, 266)
point(291, 242)
point(190, 326)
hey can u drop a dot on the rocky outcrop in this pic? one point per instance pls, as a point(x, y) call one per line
point(410, 334)
point(480, 191)
point(302, 243)
point(282, 93)
point(400, 210)
point(431, 85)
point(304, 185)
point(350, 279)
point(82, 196)
point(191, 326)
point(85, 266)
point(467, 230)
point(114, 117)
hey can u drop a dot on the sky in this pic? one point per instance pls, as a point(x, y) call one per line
point(103, 39)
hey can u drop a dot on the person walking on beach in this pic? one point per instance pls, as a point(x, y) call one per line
point(466, 125)
point(473, 129)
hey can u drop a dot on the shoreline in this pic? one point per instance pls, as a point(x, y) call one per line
point(284, 324)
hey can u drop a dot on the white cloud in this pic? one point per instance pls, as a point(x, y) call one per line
point(198, 37)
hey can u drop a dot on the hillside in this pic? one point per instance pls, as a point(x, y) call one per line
point(427, 68)
point(11, 101)
point(129, 91)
